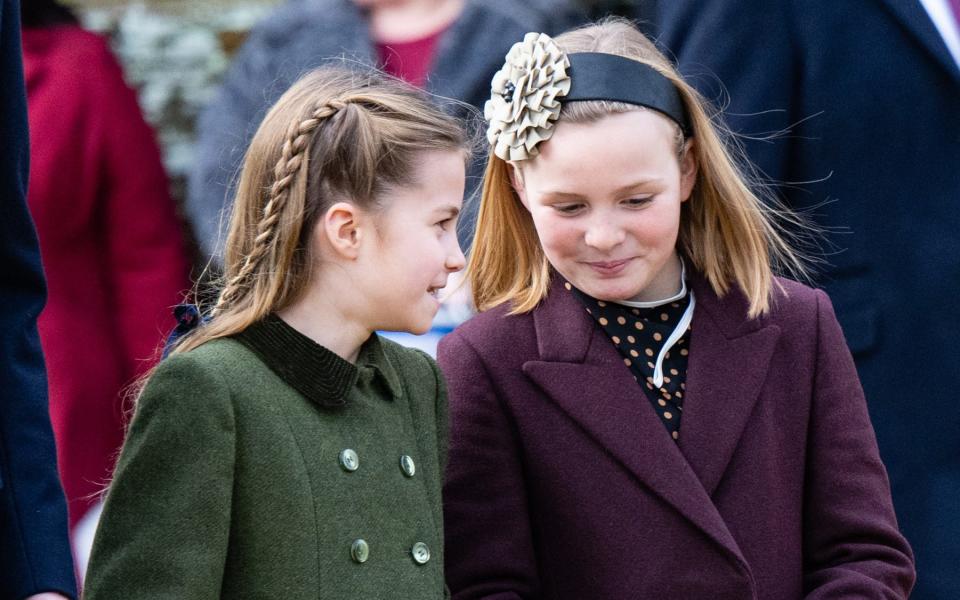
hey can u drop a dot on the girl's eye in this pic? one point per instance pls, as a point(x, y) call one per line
point(567, 209)
point(636, 202)
point(444, 224)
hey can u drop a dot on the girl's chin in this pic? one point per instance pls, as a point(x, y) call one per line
point(608, 293)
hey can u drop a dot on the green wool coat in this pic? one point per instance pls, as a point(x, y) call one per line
point(233, 481)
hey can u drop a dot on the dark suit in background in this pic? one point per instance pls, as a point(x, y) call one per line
point(34, 551)
point(874, 99)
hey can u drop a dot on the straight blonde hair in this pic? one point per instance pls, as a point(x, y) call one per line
point(729, 234)
point(336, 135)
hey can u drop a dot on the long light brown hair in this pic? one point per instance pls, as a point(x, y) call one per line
point(729, 234)
point(336, 135)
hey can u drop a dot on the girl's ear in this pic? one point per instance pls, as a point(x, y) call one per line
point(688, 170)
point(341, 228)
point(516, 182)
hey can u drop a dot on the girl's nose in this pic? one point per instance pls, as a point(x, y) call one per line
point(456, 261)
point(604, 235)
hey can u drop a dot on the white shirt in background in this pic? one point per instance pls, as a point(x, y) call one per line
point(942, 16)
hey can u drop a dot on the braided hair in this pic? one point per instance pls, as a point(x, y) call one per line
point(292, 158)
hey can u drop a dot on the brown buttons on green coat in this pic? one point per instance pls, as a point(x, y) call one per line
point(420, 553)
point(407, 466)
point(349, 460)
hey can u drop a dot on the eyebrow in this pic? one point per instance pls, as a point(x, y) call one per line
point(449, 210)
point(623, 190)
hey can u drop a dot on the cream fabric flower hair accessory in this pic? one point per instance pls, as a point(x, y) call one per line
point(525, 98)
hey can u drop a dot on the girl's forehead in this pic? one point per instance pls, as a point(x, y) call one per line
point(438, 179)
point(638, 123)
point(615, 147)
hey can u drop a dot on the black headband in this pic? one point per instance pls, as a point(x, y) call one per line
point(598, 76)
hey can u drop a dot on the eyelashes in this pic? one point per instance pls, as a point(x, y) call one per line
point(445, 224)
point(575, 208)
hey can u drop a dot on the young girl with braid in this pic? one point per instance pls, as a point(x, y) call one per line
point(283, 449)
point(643, 409)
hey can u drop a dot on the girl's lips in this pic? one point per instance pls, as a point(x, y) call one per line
point(611, 267)
point(434, 292)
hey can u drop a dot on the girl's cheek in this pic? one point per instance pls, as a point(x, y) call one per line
point(562, 238)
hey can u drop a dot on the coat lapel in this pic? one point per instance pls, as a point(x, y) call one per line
point(913, 17)
point(583, 374)
point(729, 359)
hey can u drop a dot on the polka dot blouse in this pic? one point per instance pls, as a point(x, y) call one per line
point(638, 335)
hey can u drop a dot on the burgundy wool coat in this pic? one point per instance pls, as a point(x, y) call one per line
point(563, 483)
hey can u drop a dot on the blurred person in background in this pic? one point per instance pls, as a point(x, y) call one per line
point(35, 561)
point(563, 14)
point(570, 13)
point(450, 47)
point(110, 242)
point(867, 93)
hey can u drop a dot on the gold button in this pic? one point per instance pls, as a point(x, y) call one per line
point(420, 553)
point(407, 465)
point(349, 460)
point(359, 551)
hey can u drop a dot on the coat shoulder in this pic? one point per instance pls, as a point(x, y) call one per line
point(799, 311)
point(221, 366)
point(406, 357)
point(794, 308)
point(82, 46)
point(224, 354)
point(793, 301)
point(73, 53)
point(193, 389)
point(415, 367)
point(494, 331)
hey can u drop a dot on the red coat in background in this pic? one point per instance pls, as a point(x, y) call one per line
point(110, 242)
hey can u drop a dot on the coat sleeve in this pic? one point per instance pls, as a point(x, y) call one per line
point(166, 521)
point(852, 547)
point(145, 250)
point(34, 549)
point(489, 546)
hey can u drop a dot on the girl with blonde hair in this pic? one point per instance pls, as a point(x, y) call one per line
point(643, 409)
point(283, 449)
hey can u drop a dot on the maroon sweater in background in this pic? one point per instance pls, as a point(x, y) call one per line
point(110, 243)
point(411, 60)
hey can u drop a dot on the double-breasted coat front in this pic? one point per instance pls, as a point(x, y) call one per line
point(264, 466)
point(563, 483)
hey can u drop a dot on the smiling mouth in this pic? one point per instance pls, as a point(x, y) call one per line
point(609, 266)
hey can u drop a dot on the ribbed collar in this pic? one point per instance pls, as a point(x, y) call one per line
point(316, 372)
